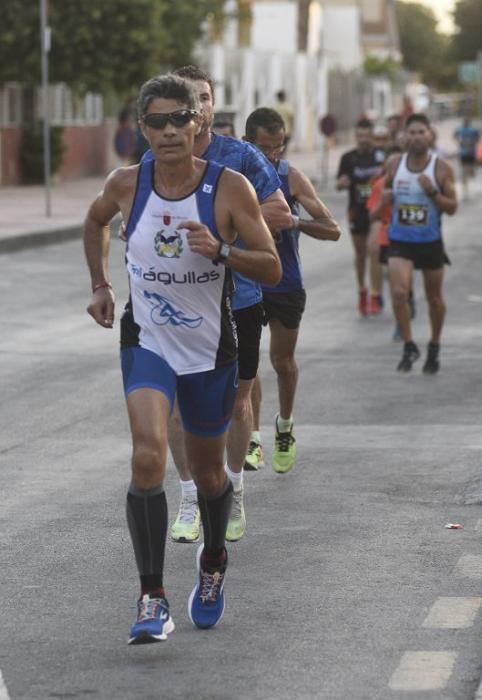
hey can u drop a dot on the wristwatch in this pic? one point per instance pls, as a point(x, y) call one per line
point(223, 253)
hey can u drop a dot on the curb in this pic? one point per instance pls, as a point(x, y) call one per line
point(11, 244)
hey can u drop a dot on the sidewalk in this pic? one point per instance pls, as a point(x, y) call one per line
point(23, 223)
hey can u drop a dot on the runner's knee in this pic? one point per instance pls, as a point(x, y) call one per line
point(400, 294)
point(435, 300)
point(210, 482)
point(285, 365)
point(148, 463)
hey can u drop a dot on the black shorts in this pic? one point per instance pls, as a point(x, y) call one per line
point(359, 221)
point(286, 307)
point(249, 323)
point(425, 256)
point(468, 159)
point(383, 254)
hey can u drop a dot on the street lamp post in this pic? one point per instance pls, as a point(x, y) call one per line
point(45, 48)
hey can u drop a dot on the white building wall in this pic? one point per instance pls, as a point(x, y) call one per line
point(341, 37)
point(274, 27)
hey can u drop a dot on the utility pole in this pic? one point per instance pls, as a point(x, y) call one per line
point(45, 48)
point(479, 58)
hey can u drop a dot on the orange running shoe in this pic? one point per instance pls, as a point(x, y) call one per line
point(375, 304)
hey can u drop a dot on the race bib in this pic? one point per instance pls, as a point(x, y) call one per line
point(363, 191)
point(413, 214)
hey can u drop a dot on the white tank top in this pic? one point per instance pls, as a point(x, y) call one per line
point(180, 300)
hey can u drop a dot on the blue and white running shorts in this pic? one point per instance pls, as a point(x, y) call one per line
point(205, 399)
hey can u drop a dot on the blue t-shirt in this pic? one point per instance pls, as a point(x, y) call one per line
point(467, 136)
point(244, 158)
point(287, 242)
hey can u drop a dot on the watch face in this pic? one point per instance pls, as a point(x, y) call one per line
point(225, 250)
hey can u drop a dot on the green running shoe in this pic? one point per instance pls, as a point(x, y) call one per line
point(284, 452)
point(237, 519)
point(186, 526)
point(255, 457)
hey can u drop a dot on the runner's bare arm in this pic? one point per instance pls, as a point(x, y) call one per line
point(446, 199)
point(276, 212)
point(343, 182)
point(391, 168)
point(238, 212)
point(97, 243)
point(322, 226)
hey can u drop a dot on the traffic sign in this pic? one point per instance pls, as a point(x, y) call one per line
point(468, 72)
point(328, 125)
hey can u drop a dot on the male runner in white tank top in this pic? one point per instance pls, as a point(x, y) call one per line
point(421, 187)
point(178, 338)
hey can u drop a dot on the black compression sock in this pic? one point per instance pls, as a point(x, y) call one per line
point(215, 514)
point(147, 521)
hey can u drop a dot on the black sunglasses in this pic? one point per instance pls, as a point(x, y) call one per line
point(181, 117)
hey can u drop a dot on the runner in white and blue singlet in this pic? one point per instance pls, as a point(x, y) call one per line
point(161, 316)
point(421, 187)
point(284, 303)
point(248, 314)
point(178, 337)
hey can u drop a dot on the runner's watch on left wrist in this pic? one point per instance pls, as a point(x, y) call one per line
point(224, 251)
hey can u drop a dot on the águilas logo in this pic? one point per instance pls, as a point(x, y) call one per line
point(168, 245)
point(163, 312)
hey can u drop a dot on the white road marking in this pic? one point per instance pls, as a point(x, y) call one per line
point(423, 670)
point(469, 565)
point(478, 525)
point(3, 689)
point(452, 613)
point(476, 298)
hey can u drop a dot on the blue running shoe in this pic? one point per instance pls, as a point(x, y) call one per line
point(206, 602)
point(154, 622)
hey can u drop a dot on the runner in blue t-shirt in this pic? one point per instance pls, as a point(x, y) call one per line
point(284, 304)
point(248, 314)
point(467, 137)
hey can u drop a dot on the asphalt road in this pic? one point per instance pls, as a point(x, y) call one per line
point(347, 585)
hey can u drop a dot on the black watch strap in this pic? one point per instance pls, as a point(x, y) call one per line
point(223, 253)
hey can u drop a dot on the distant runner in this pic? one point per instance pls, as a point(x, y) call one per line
point(467, 137)
point(357, 168)
point(421, 187)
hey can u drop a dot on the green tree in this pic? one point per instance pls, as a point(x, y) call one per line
point(100, 46)
point(424, 49)
point(467, 40)
point(185, 22)
point(389, 67)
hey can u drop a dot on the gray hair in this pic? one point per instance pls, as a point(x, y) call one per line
point(170, 87)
